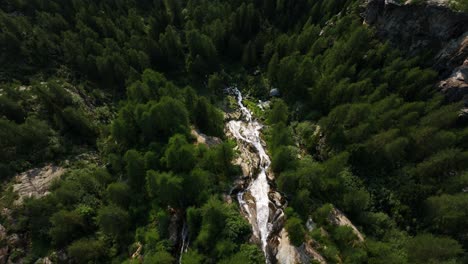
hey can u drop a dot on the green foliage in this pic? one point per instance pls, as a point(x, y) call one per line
point(163, 119)
point(218, 159)
point(192, 257)
point(358, 126)
point(135, 169)
point(166, 188)
point(460, 5)
point(221, 228)
point(160, 257)
point(113, 220)
point(284, 158)
point(87, 250)
point(427, 248)
point(295, 230)
point(66, 226)
point(247, 254)
point(208, 118)
point(448, 213)
point(179, 155)
point(278, 113)
point(215, 84)
point(118, 193)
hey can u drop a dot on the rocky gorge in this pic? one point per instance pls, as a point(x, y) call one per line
point(430, 27)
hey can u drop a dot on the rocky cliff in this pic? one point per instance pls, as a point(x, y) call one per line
point(428, 27)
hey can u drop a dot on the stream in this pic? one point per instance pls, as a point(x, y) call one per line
point(264, 213)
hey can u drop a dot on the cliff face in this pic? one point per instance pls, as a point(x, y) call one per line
point(430, 27)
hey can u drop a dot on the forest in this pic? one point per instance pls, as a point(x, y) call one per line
point(358, 126)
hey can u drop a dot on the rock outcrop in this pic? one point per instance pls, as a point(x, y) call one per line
point(336, 217)
point(429, 27)
point(205, 139)
point(36, 182)
point(306, 253)
point(455, 87)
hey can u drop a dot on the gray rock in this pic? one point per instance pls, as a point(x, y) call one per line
point(274, 92)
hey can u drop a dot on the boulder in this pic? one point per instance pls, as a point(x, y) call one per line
point(274, 92)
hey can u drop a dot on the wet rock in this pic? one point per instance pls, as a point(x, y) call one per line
point(174, 225)
point(36, 182)
point(278, 221)
point(277, 199)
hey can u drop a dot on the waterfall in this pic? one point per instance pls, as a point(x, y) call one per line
point(247, 132)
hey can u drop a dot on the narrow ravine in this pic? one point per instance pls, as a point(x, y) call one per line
point(265, 216)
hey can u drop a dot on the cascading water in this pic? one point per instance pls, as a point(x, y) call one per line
point(247, 131)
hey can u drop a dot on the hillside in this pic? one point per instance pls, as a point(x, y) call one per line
point(246, 131)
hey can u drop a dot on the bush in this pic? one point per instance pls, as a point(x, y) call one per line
point(87, 250)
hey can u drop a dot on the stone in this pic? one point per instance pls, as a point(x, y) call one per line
point(274, 92)
point(14, 240)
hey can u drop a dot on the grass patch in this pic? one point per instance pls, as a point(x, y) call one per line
point(254, 108)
